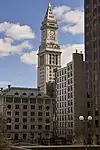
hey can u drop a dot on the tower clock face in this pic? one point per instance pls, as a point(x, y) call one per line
point(52, 35)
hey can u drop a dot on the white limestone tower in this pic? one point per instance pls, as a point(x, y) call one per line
point(49, 55)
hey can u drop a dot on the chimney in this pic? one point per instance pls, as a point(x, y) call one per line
point(1, 89)
point(76, 50)
point(38, 88)
point(9, 86)
point(81, 52)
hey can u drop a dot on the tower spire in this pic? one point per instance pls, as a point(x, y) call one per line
point(49, 5)
point(49, 14)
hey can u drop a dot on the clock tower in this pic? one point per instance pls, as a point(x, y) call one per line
point(49, 55)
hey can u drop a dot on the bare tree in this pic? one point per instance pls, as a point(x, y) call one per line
point(3, 135)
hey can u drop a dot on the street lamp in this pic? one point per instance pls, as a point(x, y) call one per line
point(85, 120)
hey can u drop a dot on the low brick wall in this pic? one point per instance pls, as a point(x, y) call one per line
point(72, 147)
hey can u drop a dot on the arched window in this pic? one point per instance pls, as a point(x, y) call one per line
point(16, 93)
point(39, 94)
point(31, 94)
point(24, 93)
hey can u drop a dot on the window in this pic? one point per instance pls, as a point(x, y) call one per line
point(24, 93)
point(68, 109)
point(8, 120)
point(68, 102)
point(68, 117)
point(31, 94)
point(32, 119)
point(40, 119)
point(39, 113)
point(56, 60)
point(71, 109)
point(8, 113)
point(32, 106)
point(8, 127)
point(47, 127)
point(71, 95)
point(68, 124)
point(68, 74)
point(40, 107)
point(68, 67)
point(71, 73)
point(24, 136)
point(71, 87)
point(32, 100)
point(48, 107)
point(99, 9)
point(8, 136)
point(25, 107)
point(17, 100)
point(71, 124)
point(39, 126)
point(68, 95)
point(71, 117)
point(32, 135)
point(68, 88)
point(96, 123)
point(16, 113)
point(47, 101)
point(24, 100)
point(24, 113)
point(32, 113)
point(24, 119)
point(96, 113)
point(16, 126)
point(95, 44)
point(9, 106)
point(32, 126)
point(16, 119)
point(16, 136)
point(9, 99)
point(40, 101)
point(47, 113)
point(89, 113)
point(47, 120)
point(88, 104)
point(49, 58)
point(24, 126)
point(16, 93)
point(16, 106)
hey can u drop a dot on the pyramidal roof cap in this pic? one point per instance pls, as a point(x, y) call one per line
point(49, 14)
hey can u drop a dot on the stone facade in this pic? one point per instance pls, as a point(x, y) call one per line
point(71, 96)
point(27, 112)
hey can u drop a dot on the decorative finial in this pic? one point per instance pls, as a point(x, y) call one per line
point(49, 5)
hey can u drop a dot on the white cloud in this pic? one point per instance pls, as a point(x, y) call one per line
point(17, 31)
point(5, 83)
point(67, 51)
point(58, 11)
point(13, 33)
point(72, 20)
point(8, 48)
point(29, 58)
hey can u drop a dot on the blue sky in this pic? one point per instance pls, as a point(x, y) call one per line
point(18, 50)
